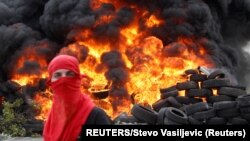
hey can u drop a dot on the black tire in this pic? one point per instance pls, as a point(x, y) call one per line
point(173, 93)
point(191, 71)
point(238, 121)
point(198, 77)
point(3, 88)
point(246, 116)
point(216, 121)
point(234, 92)
point(161, 116)
point(144, 114)
point(243, 100)
point(193, 121)
point(176, 115)
point(183, 99)
point(198, 93)
point(168, 121)
point(222, 105)
point(218, 98)
point(195, 100)
point(239, 87)
point(216, 74)
point(169, 89)
point(42, 84)
point(215, 83)
point(160, 104)
point(173, 102)
point(204, 115)
point(245, 109)
point(13, 86)
point(34, 127)
point(197, 107)
point(124, 118)
point(187, 85)
point(228, 113)
point(101, 94)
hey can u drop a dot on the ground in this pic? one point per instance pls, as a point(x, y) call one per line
point(24, 139)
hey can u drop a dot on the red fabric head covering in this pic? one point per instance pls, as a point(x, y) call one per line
point(70, 108)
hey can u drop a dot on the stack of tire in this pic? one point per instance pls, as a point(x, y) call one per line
point(244, 106)
point(166, 115)
point(200, 105)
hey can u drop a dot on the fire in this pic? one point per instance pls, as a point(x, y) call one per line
point(44, 101)
point(215, 92)
point(153, 21)
point(152, 63)
point(29, 60)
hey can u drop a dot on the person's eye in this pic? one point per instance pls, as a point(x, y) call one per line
point(70, 74)
point(57, 75)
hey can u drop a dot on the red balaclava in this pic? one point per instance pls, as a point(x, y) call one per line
point(70, 108)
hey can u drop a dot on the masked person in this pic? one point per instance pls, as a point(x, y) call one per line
point(70, 109)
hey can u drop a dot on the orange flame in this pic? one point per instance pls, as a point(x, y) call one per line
point(45, 102)
point(151, 64)
point(29, 55)
point(153, 21)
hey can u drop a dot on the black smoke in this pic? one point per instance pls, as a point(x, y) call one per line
point(118, 74)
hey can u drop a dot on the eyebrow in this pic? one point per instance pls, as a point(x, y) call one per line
point(67, 72)
point(57, 73)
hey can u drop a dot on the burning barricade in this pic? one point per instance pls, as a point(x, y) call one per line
point(203, 99)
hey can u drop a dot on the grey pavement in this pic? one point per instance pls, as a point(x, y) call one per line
point(24, 139)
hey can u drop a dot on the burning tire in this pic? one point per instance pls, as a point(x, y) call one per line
point(173, 93)
point(144, 114)
point(198, 93)
point(195, 100)
point(231, 91)
point(13, 86)
point(176, 115)
point(191, 71)
point(169, 89)
point(215, 83)
point(187, 85)
point(198, 77)
point(191, 109)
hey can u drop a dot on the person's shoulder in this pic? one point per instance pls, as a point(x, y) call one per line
point(98, 110)
point(99, 117)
